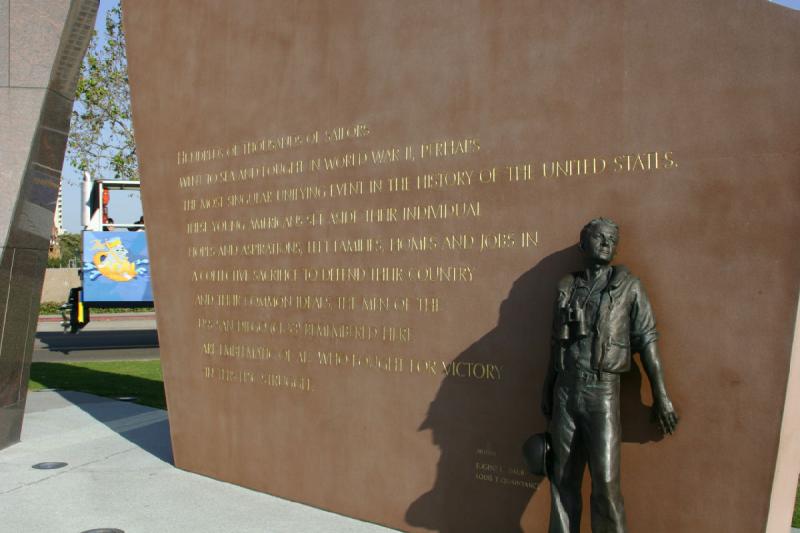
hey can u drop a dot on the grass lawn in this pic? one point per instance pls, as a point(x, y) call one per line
point(140, 379)
point(796, 519)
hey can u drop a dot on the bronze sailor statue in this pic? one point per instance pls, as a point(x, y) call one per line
point(602, 316)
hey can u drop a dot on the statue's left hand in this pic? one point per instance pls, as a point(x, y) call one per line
point(665, 415)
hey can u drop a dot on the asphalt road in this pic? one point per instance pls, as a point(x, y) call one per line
point(105, 338)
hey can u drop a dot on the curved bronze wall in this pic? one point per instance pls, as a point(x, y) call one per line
point(359, 212)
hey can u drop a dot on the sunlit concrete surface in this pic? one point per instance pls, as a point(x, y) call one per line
point(120, 475)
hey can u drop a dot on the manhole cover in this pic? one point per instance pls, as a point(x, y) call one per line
point(104, 530)
point(49, 465)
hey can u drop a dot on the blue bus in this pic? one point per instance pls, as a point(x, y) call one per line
point(115, 266)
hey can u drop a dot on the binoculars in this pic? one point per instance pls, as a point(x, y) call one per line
point(572, 321)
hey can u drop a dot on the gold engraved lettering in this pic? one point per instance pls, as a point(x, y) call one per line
point(220, 275)
point(335, 274)
point(498, 474)
point(274, 144)
point(386, 155)
point(459, 242)
point(385, 363)
point(211, 275)
point(480, 371)
point(338, 162)
point(193, 180)
point(218, 226)
point(300, 192)
point(428, 305)
point(359, 245)
point(257, 249)
point(196, 227)
point(265, 223)
point(312, 330)
point(488, 175)
point(341, 134)
point(203, 299)
point(300, 302)
point(247, 377)
point(449, 274)
point(317, 247)
point(646, 161)
point(300, 384)
point(346, 303)
point(375, 186)
point(529, 239)
point(350, 188)
point(209, 203)
point(375, 303)
point(457, 369)
point(573, 167)
point(275, 274)
point(636, 162)
point(385, 214)
point(249, 199)
point(421, 243)
point(260, 353)
point(202, 156)
point(424, 212)
point(347, 216)
point(442, 211)
point(443, 180)
point(448, 148)
point(417, 366)
point(497, 241)
point(398, 184)
point(202, 251)
point(228, 375)
point(227, 250)
point(522, 172)
point(306, 302)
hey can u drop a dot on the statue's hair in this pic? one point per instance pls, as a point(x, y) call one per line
point(596, 222)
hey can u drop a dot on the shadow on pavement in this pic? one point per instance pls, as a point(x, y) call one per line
point(145, 427)
point(57, 341)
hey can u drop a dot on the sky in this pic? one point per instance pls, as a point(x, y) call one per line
point(123, 207)
point(794, 4)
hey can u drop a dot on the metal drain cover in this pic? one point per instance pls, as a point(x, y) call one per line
point(51, 465)
point(126, 398)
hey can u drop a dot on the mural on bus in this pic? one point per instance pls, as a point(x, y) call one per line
point(116, 267)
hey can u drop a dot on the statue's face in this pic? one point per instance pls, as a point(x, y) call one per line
point(600, 243)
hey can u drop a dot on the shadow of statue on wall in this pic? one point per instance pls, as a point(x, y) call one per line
point(480, 425)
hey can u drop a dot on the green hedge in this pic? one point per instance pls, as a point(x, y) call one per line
point(54, 308)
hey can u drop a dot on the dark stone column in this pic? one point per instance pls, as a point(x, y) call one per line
point(42, 44)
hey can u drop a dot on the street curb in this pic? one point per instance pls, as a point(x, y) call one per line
point(105, 317)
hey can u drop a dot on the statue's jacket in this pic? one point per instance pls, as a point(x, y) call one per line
point(625, 322)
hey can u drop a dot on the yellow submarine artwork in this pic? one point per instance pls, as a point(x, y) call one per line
point(110, 260)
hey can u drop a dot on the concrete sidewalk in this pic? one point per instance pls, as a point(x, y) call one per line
point(119, 475)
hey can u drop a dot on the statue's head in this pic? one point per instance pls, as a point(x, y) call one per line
point(599, 240)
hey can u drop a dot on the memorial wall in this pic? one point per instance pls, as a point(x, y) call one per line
point(359, 213)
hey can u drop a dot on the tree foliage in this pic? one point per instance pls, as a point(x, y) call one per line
point(101, 135)
point(71, 247)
